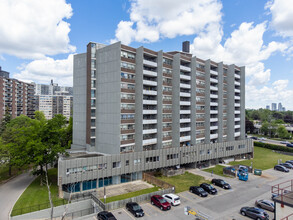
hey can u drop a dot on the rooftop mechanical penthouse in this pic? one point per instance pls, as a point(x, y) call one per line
point(141, 109)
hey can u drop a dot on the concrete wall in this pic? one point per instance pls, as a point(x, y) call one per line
point(282, 212)
point(186, 155)
point(193, 101)
point(231, 103)
point(242, 102)
point(207, 107)
point(108, 99)
point(79, 99)
point(75, 207)
point(220, 101)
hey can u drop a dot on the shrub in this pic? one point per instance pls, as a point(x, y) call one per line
point(273, 147)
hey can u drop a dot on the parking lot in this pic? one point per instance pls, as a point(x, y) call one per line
point(225, 205)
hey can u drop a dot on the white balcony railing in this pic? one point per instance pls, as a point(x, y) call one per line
point(150, 131)
point(182, 76)
point(213, 119)
point(214, 80)
point(150, 63)
point(214, 72)
point(149, 121)
point(214, 96)
point(237, 112)
point(150, 83)
point(237, 97)
point(186, 86)
point(184, 94)
point(150, 73)
point(184, 112)
point(237, 90)
point(149, 102)
point(214, 104)
point(213, 127)
point(214, 88)
point(149, 112)
point(185, 129)
point(237, 76)
point(237, 104)
point(237, 83)
point(184, 138)
point(213, 136)
point(237, 126)
point(149, 92)
point(185, 120)
point(213, 111)
point(185, 68)
point(237, 119)
point(236, 134)
point(184, 103)
point(149, 141)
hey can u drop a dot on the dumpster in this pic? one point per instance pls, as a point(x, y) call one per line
point(257, 172)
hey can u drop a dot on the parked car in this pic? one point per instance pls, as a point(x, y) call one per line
point(104, 215)
point(289, 145)
point(265, 204)
point(209, 188)
point(135, 209)
point(255, 213)
point(221, 183)
point(287, 165)
point(172, 199)
point(281, 168)
point(289, 161)
point(254, 138)
point(160, 202)
point(198, 191)
point(284, 142)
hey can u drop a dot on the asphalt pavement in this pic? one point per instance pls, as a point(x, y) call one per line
point(11, 191)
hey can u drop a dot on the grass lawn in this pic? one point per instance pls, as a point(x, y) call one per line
point(35, 195)
point(131, 194)
point(218, 170)
point(184, 181)
point(263, 159)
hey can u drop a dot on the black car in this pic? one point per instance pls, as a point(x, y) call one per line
point(289, 161)
point(254, 138)
point(281, 168)
point(289, 145)
point(209, 188)
point(287, 165)
point(221, 183)
point(104, 215)
point(135, 209)
point(255, 213)
point(198, 191)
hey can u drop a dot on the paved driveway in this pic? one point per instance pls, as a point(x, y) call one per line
point(10, 192)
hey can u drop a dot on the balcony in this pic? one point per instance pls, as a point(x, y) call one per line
point(182, 76)
point(150, 131)
point(150, 63)
point(184, 94)
point(237, 112)
point(149, 141)
point(237, 119)
point(150, 83)
point(214, 88)
point(149, 112)
point(185, 112)
point(237, 90)
point(237, 97)
point(214, 80)
point(149, 102)
point(185, 120)
point(213, 136)
point(237, 104)
point(214, 72)
point(237, 126)
point(149, 121)
point(213, 96)
point(185, 68)
point(149, 92)
point(236, 134)
point(150, 73)
point(214, 104)
point(186, 86)
point(213, 127)
point(213, 111)
point(185, 103)
point(185, 129)
point(237, 83)
point(213, 119)
point(185, 138)
point(237, 76)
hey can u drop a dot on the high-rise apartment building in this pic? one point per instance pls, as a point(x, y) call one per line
point(274, 106)
point(268, 107)
point(52, 89)
point(136, 110)
point(17, 97)
point(280, 107)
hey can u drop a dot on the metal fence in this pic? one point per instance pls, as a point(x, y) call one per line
point(38, 207)
point(80, 213)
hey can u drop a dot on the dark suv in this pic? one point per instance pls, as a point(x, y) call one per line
point(221, 183)
point(281, 168)
point(104, 215)
point(209, 188)
point(255, 213)
point(160, 202)
point(135, 209)
point(198, 191)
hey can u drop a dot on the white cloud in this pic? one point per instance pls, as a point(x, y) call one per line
point(33, 28)
point(42, 71)
point(282, 14)
point(151, 20)
point(280, 85)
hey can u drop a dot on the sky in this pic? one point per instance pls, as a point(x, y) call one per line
point(39, 38)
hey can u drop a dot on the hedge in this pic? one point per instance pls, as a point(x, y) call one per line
point(273, 147)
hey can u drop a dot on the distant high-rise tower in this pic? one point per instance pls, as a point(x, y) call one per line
point(280, 107)
point(274, 106)
point(186, 47)
point(268, 107)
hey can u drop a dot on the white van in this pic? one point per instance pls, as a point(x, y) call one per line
point(172, 199)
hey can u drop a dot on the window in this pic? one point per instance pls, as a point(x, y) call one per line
point(136, 161)
point(93, 93)
point(229, 148)
point(102, 166)
point(127, 66)
point(167, 71)
point(93, 83)
point(127, 76)
point(127, 163)
point(91, 184)
point(117, 164)
point(241, 146)
point(167, 61)
point(127, 116)
point(127, 55)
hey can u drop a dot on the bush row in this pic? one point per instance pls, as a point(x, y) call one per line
point(273, 147)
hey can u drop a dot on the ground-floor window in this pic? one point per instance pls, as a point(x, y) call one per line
point(105, 181)
point(72, 187)
point(91, 184)
point(125, 178)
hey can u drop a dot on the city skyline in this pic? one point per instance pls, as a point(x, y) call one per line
point(256, 37)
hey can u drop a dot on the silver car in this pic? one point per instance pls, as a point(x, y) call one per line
point(265, 204)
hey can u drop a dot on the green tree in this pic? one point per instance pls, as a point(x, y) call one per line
point(249, 127)
point(265, 128)
point(282, 132)
point(5, 120)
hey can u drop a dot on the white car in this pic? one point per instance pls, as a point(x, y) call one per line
point(172, 199)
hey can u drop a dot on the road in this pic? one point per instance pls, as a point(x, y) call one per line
point(11, 191)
